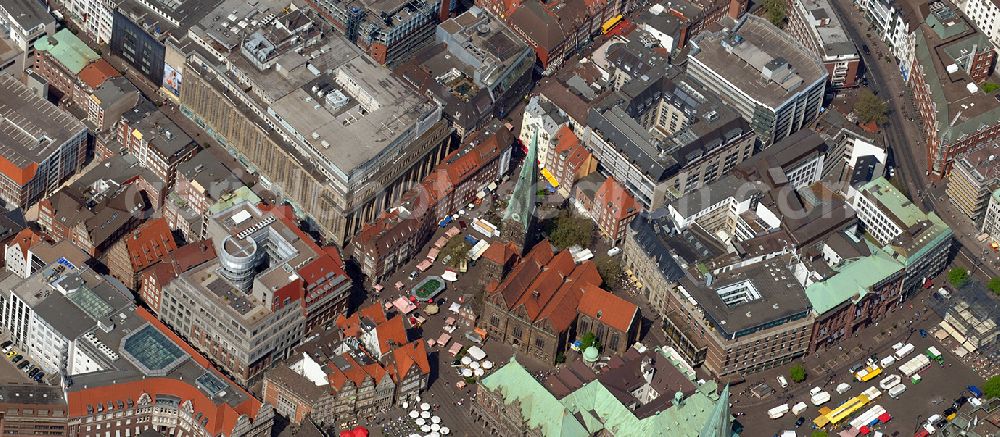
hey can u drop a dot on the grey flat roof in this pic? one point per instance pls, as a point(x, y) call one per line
point(31, 128)
point(781, 298)
point(183, 13)
point(761, 41)
point(357, 132)
point(27, 13)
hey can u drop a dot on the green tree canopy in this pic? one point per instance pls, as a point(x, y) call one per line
point(797, 372)
point(819, 433)
point(991, 388)
point(610, 268)
point(870, 108)
point(569, 229)
point(776, 11)
point(458, 249)
point(958, 277)
point(994, 285)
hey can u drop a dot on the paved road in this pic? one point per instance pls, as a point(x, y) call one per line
point(908, 144)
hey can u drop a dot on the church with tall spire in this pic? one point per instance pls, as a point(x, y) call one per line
point(519, 218)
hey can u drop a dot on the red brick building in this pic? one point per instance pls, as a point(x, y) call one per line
point(183, 259)
point(569, 161)
point(548, 300)
point(399, 233)
point(143, 247)
point(945, 77)
point(612, 209)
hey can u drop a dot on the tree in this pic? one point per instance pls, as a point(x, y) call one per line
point(958, 277)
point(570, 230)
point(819, 433)
point(994, 285)
point(870, 108)
point(797, 373)
point(457, 248)
point(610, 268)
point(991, 388)
point(587, 340)
point(776, 11)
point(990, 87)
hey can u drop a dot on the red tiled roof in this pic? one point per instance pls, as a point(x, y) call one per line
point(391, 330)
point(95, 73)
point(614, 198)
point(182, 259)
point(25, 239)
point(352, 325)
point(222, 417)
point(149, 243)
point(409, 355)
point(500, 253)
point(611, 310)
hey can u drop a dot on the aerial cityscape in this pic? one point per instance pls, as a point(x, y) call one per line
point(539, 218)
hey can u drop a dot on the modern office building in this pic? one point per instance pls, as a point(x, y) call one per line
point(771, 80)
point(476, 67)
point(984, 15)
point(324, 126)
point(973, 177)
point(920, 241)
point(389, 31)
point(44, 145)
point(268, 286)
point(666, 136)
point(22, 22)
point(816, 25)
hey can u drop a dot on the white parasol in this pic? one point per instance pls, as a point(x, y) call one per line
point(466, 372)
point(420, 421)
point(425, 406)
point(479, 372)
point(426, 414)
point(487, 364)
point(466, 360)
point(435, 419)
point(445, 430)
point(414, 414)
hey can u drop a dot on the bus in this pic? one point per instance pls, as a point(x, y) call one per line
point(610, 24)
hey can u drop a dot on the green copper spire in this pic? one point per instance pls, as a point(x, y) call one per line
point(720, 422)
point(522, 201)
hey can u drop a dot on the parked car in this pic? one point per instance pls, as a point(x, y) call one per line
point(17, 358)
point(782, 381)
point(866, 49)
point(32, 372)
point(413, 275)
point(800, 421)
point(923, 333)
point(5, 346)
point(11, 353)
point(856, 367)
point(975, 391)
point(960, 401)
point(23, 364)
point(39, 376)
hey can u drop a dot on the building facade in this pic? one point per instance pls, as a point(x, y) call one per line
point(816, 25)
point(49, 148)
point(733, 64)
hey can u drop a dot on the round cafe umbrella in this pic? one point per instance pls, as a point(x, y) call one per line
point(426, 414)
point(425, 406)
point(434, 434)
point(865, 430)
point(435, 419)
point(425, 428)
point(406, 405)
point(445, 430)
point(486, 365)
point(884, 418)
point(466, 360)
point(479, 372)
point(474, 365)
point(414, 414)
point(435, 427)
point(420, 421)
point(466, 372)
point(432, 309)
